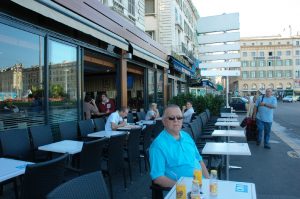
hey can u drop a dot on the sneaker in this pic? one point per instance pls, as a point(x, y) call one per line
point(267, 147)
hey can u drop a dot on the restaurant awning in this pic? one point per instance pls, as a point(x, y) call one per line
point(60, 14)
point(140, 52)
point(204, 83)
point(180, 67)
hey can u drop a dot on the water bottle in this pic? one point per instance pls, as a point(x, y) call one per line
point(195, 192)
point(213, 183)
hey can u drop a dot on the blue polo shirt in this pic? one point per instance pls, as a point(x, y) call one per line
point(174, 158)
point(265, 114)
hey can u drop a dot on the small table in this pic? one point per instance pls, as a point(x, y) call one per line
point(226, 189)
point(129, 127)
point(108, 134)
point(225, 119)
point(228, 124)
point(233, 115)
point(145, 122)
point(64, 146)
point(216, 148)
point(228, 133)
point(11, 168)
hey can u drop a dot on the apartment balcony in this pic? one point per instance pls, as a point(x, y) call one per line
point(179, 24)
point(118, 7)
point(177, 49)
point(189, 54)
point(183, 51)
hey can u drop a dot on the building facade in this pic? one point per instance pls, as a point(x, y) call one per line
point(56, 52)
point(173, 24)
point(270, 62)
point(133, 10)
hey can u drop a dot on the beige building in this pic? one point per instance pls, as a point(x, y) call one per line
point(11, 79)
point(270, 62)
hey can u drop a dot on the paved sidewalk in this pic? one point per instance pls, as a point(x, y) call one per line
point(275, 173)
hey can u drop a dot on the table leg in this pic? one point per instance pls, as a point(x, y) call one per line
point(227, 167)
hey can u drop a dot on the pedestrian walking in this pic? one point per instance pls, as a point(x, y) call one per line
point(263, 113)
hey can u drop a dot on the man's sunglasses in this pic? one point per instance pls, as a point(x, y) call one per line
point(173, 118)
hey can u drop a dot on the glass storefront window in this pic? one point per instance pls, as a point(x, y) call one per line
point(160, 88)
point(21, 78)
point(62, 82)
point(151, 83)
point(183, 87)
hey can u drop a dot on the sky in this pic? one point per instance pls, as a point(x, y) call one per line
point(257, 17)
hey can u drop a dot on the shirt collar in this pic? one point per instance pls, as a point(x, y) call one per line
point(171, 137)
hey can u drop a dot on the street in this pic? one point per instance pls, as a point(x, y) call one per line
point(287, 115)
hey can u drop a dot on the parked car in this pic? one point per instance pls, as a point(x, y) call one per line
point(289, 98)
point(238, 103)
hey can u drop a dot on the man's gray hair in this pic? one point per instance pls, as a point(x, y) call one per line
point(170, 106)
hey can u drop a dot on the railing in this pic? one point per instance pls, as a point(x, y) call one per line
point(188, 53)
point(177, 49)
point(118, 6)
point(182, 50)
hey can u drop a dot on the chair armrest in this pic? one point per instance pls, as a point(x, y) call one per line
point(158, 187)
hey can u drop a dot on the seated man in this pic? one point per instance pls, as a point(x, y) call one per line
point(173, 154)
point(106, 105)
point(116, 119)
point(188, 111)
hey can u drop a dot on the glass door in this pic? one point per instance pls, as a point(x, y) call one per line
point(63, 81)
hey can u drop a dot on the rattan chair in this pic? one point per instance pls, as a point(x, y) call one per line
point(89, 186)
point(41, 178)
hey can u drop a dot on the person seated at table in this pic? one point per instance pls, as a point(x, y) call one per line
point(173, 154)
point(116, 119)
point(106, 105)
point(152, 113)
point(187, 111)
point(90, 108)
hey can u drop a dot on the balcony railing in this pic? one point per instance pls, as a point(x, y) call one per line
point(118, 6)
point(182, 50)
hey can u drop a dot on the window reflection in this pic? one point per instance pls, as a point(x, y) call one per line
point(62, 82)
point(21, 78)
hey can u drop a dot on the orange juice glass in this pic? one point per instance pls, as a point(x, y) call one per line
point(180, 191)
point(198, 176)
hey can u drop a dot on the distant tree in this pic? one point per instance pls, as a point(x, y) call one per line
point(56, 91)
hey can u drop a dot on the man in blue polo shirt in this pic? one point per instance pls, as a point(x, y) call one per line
point(263, 113)
point(173, 153)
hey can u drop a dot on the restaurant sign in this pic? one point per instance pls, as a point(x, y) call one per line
point(181, 69)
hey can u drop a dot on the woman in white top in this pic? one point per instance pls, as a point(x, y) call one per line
point(187, 112)
point(152, 113)
point(250, 106)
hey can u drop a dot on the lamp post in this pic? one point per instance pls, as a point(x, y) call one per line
point(66, 80)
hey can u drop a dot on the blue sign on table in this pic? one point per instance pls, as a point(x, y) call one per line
point(21, 166)
point(241, 188)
